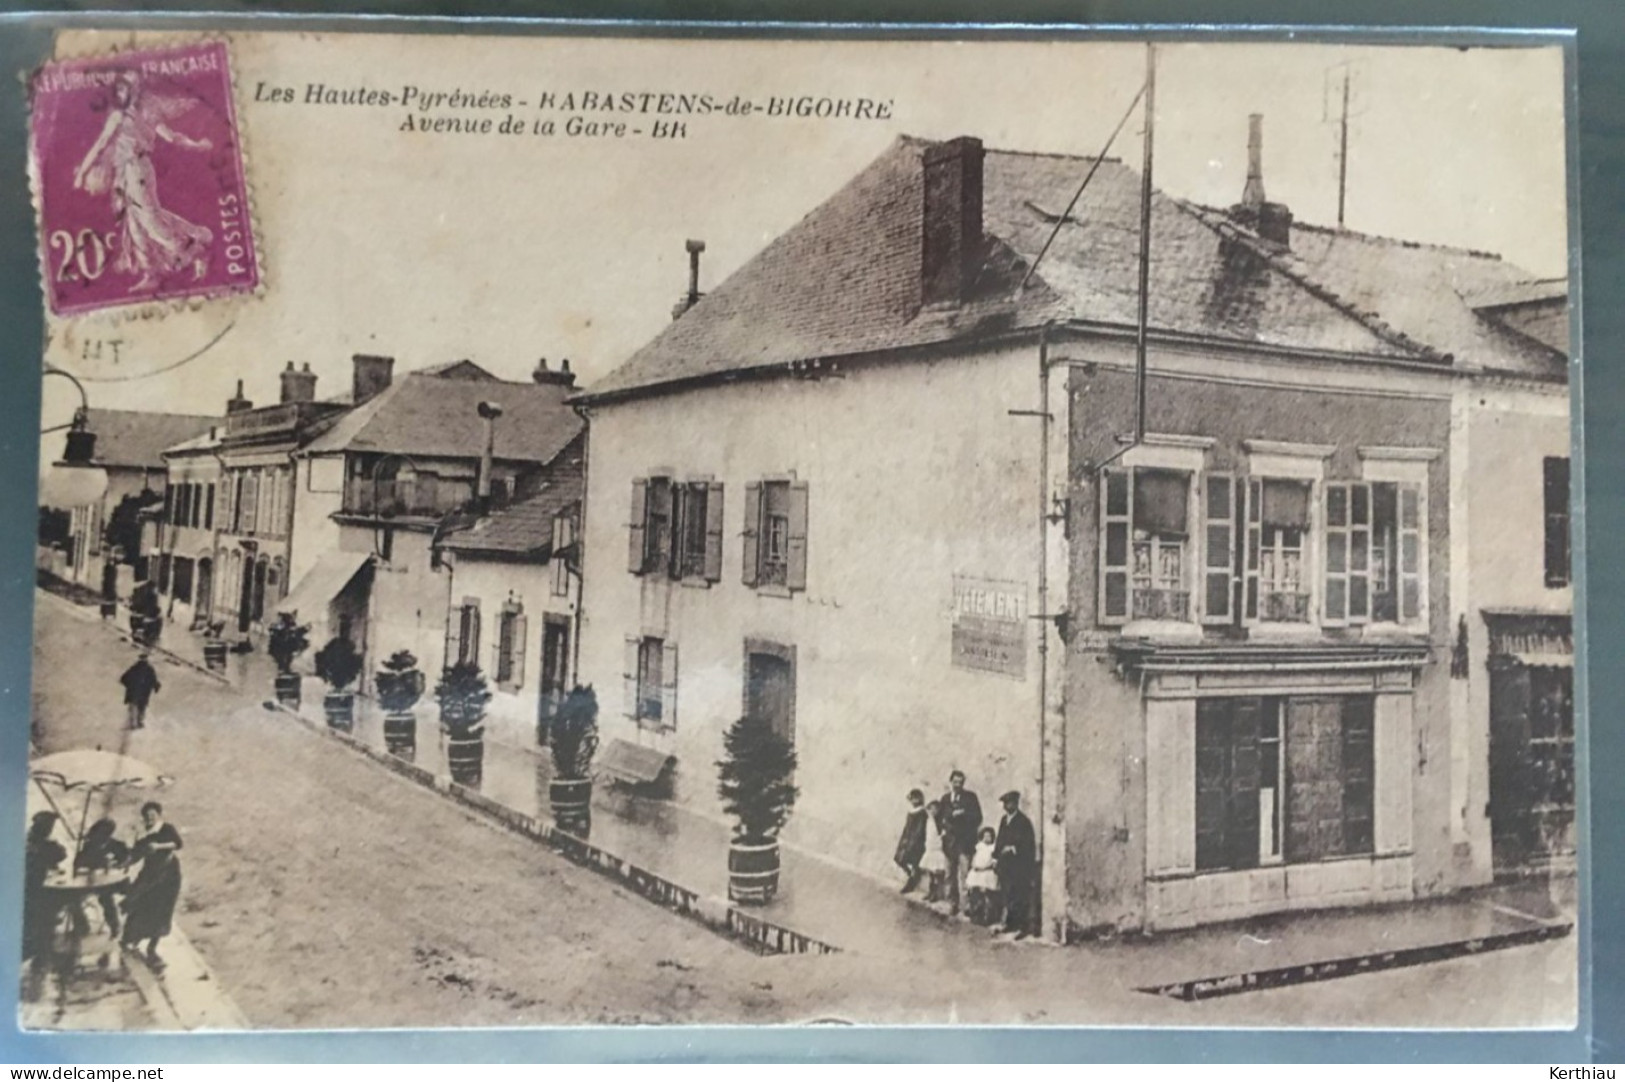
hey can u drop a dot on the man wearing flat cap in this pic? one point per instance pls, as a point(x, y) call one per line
point(1016, 850)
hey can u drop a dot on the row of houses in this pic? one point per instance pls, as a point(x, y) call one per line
point(1282, 622)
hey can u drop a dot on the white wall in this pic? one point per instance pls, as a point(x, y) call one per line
point(916, 473)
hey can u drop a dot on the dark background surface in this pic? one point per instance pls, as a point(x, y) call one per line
point(1597, 173)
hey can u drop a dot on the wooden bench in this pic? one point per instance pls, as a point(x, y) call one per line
point(634, 764)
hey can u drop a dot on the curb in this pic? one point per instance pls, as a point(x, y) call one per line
point(1354, 965)
point(719, 916)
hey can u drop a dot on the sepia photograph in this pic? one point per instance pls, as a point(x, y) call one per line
point(631, 530)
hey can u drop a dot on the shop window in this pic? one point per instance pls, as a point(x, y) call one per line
point(1145, 545)
point(1556, 487)
point(775, 555)
point(651, 682)
point(1283, 779)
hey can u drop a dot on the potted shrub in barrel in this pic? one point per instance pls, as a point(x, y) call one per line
point(400, 686)
point(756, 784)
point(463, 693)
point(214, 647)
point(573, 739)
point(287, 640)
point(339, 664)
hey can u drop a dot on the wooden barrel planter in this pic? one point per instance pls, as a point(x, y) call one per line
point(287, 688)
point(465, 754)
point(572, 804)
point(753, 871)
point(339, 706)
point(214, 654)
point(401, 734)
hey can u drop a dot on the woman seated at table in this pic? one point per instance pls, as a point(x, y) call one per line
point(101, 851)
point(150, 905)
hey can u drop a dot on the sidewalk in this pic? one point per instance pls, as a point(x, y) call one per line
point(855, 913)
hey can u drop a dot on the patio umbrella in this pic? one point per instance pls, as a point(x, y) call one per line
point(69, 780)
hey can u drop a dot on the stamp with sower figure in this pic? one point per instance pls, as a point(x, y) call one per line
point(138, 178)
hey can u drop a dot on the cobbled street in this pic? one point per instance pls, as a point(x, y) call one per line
point(323, 891)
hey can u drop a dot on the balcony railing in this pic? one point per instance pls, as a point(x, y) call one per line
point(1151, 604)
point(1281, 607)
point(422, 496)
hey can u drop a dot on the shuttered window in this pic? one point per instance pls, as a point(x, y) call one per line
point(776, 520)
point(1397, 535)
point(650, 676)
point(509, 664)
point(468, 632)
point(1144, 548)
point(699, 532)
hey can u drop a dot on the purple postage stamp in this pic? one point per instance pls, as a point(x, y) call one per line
point(138, 174)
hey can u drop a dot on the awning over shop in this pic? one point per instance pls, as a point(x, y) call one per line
point(1535, 639)
point(322, 583)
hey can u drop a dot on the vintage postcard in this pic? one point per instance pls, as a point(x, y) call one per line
point(551, 530)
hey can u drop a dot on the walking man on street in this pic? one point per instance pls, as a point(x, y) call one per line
point(1016, 850)
point(961, 820)
point(140, 683)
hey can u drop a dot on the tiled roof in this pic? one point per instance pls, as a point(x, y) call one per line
point(845, 280)
point(137, 439)
point(434, 416)
point(524, 527)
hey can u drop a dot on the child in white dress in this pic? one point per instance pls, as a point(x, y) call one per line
point(934, 864)
point(982, 882)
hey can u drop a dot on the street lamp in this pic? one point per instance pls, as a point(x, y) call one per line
point(81, 444)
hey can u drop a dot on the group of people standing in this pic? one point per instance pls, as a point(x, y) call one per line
point(979, 869)
point(146, 902)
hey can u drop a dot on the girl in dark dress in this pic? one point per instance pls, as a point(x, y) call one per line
point(150, 905)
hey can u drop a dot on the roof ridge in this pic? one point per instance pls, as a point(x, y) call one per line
point(1296, 272)
point(1366, 235)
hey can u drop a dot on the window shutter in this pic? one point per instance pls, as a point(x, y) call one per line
point(753, 525)
point(668, 686)
point(1255, 518)
point(208, 510)
point(713, 532)
point(636, 543)
point(1220, 545)
point(517, 647)
point(1410, 553)
point(1360, 516)
point(473, 649)
point(1116, 517)
point(629, 676)
point(1335, 610)
point(795, 576)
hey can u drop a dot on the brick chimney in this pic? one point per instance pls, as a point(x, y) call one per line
point(298, 386)
point(372, 375)
point(561, 376)
point(952, 249)
point(237, 403)
point(1271, 221)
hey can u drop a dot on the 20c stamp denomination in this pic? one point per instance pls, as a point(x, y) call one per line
point(139, 181)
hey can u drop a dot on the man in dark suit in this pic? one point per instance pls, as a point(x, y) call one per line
point(961, 816)
point(1016, 849)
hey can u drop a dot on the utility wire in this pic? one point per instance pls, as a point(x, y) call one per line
point(1067, 213)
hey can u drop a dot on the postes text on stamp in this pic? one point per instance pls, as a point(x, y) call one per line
point(138, 174)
